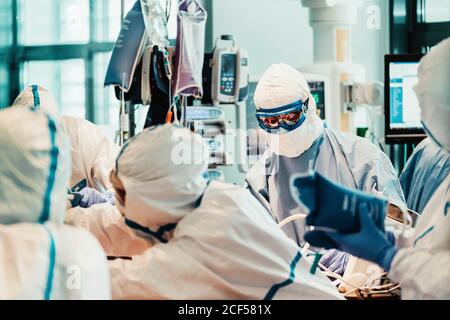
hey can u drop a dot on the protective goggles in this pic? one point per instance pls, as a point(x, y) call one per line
point(288, 117)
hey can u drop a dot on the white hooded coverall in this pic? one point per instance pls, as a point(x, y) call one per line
point(423, 269)
point(40, 258)
point(211, 241)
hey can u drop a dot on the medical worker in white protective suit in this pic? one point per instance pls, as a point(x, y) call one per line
point(93, 154)
point(420, 265)
point(298, 142)
point(40, 258)
point(205, 241)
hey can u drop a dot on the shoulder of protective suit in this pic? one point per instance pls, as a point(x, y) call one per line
point(218, 209)
point(223, 207)
point(71, 121)
point(220, 196)
point(74, 125)
point(351, 143)
point(226, 191)
point(257, 168)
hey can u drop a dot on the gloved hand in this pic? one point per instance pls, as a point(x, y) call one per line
point(335, 206)
point(370, 243)
point(91, 196)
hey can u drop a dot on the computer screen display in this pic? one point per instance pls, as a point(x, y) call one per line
point(404, 106)
point(317, 89)
point(401, 106)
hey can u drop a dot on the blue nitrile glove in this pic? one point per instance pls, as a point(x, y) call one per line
point(334, 206)
point(370, 243)
point(91, 196)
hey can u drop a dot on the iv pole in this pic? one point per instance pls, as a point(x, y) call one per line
point(123, 116)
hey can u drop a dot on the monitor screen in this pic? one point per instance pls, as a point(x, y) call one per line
point(317, 89)
point(401, 106)
point(404, 106)
point(202, 113)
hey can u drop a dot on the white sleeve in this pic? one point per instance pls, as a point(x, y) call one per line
point(106, 223)
point(104, 162)
point(172, 270)
point(425, 273)
point(104, 154)
point(94, 151)
point(162, 272)
point(374, 168)
point(381, 173)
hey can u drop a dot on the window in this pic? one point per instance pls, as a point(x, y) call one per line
point(107, 19)
point(5, 23)
point(4, 87)
point(64, 79)
point(59, 49)
point(106, 103)
point(416, 26)
point(53, 21)
point(431, 11)
point(65, 46)
point(6, 40)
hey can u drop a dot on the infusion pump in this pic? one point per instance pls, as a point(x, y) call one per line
point(220, 128)
point(230, 73)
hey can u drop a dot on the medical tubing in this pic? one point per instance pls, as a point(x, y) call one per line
point(364, 287)
point(371, 291)
point(330, 273)
point(298, 216)
point(168, 9)
point(307, 245)
point(294, 217)
point(122, 111)
point(402, 239)
point(305, 249)
point(407, 220)
point(170, 95)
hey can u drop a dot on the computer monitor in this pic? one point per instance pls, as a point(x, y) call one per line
point(402, 111)
point(317, 89)
point(320, 88)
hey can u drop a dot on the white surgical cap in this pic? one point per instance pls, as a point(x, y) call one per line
point(34, 167)
point(37, 96)
point(161, 170)
point(433, 92)
point(280, 85)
